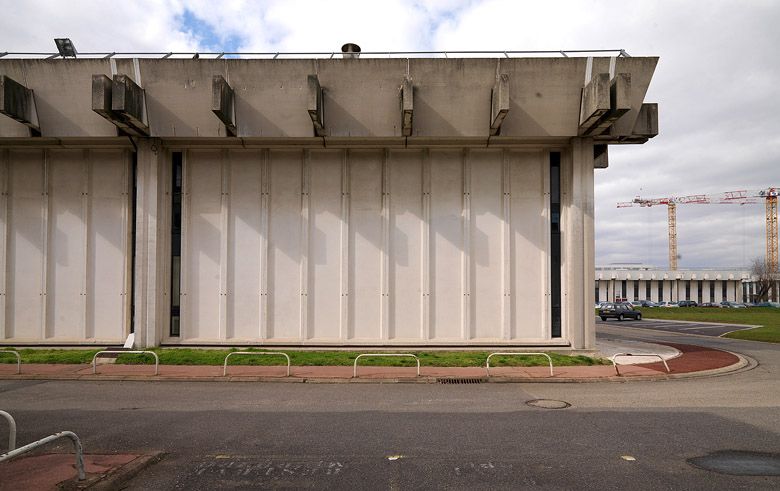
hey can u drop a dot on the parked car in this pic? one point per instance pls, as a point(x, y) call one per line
point(687, 303)
point(709, 304)
point(668, 304)
point(775, 305)
point(648, 303)
point(732, 305)
point(619, 311)
point(636, 303)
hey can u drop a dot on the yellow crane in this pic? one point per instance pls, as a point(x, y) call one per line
point(743, 197)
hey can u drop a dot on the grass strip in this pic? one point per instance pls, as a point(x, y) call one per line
point(191, 356)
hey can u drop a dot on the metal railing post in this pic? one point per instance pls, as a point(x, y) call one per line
point(62, 434)
point(18, 359)
point(487, 362)
point(279, 353)
point(638, 354)
point(354, 370)
point(11, 430)
point(120, 352)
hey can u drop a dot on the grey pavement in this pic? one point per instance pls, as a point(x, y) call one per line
point(391, 436)
point(683, 327)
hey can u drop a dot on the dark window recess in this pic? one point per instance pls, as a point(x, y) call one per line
point(176, 187)
point(623, 290)
point(699, 291)
point(597, 293)
point(636, 290)
point(555, 243)
point(660, 291)
point(647, 289)
point(712, 291)
point(724, 292)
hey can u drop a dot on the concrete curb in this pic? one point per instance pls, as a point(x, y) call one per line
point(114, 480)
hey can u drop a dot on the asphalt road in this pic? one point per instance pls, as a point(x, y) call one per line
point(700, 328)
point(410, 436)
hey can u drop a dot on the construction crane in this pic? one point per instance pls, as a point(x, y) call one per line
point(743, 197)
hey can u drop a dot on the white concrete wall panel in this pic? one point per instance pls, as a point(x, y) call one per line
point(284, 251)
point(67, 246)
point(26, 246)
point(486, 252)
point(366, 225)
point(201, 246)
point(245, 245)
point(446, 244)
point(107, 236)
point(529, 231)
point(324, 254)
point(405, 245)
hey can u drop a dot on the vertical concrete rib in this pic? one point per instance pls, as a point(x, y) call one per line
point(224, 234)
point(45, 211)
point(4, 216)
point(384, 327)
point(127, 213)
point(304, 274)
point(425, 263)
point(506, 264)
point(344, 257)
point(86, 214)
point(465, 263)
point(264, 202)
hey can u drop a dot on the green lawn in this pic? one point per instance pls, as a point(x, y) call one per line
point(766, 317)
point(184, 356)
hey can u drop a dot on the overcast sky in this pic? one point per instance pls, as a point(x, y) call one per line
point(717, 85)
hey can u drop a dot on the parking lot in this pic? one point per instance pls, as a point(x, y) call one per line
point(682, 327)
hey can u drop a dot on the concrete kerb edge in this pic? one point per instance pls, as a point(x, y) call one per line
point(114, 480)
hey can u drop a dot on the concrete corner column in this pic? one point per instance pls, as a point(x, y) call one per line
point(579, 250)
point(151, 241)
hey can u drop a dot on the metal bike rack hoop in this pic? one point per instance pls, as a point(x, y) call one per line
point(62, 434)
point(354, 370)
point(487, 362)
point(638, 354)
point(279, 353)
point(18, 359)
point(120, 352)
point(11, 430)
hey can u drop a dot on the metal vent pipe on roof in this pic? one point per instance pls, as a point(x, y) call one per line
point(350, 50)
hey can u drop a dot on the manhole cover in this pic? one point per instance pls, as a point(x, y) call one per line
point(548, 404)
point(739, 463)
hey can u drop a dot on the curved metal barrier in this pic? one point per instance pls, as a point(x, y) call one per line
point(638, 354)
point(62, 434)
point(354, 370)
point(120, 352)
point(487, 362)
point(18, 359)
point(11, 430)
point(279, 353)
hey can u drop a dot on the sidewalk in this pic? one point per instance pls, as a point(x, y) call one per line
point(683, 360)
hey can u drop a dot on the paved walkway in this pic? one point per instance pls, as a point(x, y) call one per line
point(683, 360)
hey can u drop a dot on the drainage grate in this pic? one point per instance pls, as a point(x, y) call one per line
point(460, 380)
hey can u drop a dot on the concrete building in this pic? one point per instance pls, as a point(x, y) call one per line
point(633, 282)
point(347, 201)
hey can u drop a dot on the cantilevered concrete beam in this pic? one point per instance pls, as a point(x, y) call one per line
point(604, 101)
point(18, 102)
point(407, 106)
point(315, 107)
point(499, 103)
point(222, 103)
point(646, 125)
point(600, 156)
point(122, 102)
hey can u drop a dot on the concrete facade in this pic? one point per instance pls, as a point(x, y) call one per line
point(360, 201)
